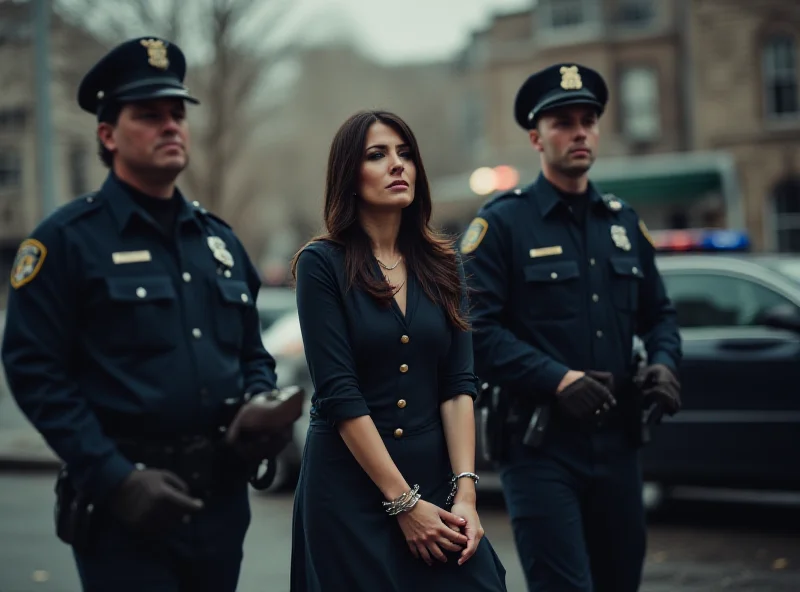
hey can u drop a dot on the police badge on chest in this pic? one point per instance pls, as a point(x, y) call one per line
point(620, 237)
point(221, 254)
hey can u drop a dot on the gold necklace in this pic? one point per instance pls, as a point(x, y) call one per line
point(381, 263)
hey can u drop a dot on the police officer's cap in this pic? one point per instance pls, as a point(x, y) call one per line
point(557, 86)
point(136, 70)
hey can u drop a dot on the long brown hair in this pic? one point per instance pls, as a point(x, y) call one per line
point(430, 256)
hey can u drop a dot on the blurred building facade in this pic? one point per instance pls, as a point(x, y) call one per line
point(702, 126)
point(703, 119)
point(76, 167)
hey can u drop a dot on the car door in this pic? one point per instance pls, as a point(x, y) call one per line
point(741, 402)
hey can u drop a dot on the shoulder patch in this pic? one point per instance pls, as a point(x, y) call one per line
point(646, 232)
point(28, 262)
point(474, 235)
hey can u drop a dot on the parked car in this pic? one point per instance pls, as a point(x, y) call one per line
point(273, 303)
point(285, 342)
point(739, 315)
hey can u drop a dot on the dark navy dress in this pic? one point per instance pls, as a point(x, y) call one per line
point(366, 359)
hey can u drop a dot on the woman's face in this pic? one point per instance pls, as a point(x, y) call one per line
point(388, 173)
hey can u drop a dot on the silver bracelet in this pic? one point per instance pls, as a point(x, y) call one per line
point(404, 502)
point(454, 481)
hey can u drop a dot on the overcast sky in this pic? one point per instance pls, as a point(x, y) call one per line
point(407, 30)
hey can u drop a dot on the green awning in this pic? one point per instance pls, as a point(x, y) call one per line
point(664, 187)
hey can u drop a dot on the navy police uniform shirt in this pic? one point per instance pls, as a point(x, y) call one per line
point(118, 329)
point(550, 294)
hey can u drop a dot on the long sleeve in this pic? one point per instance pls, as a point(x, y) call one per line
point(457, 376)
point(325, 338)
point(41, 336)
point(658, 320)
point(499, 354)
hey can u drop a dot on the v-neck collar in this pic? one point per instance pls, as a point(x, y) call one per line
point(412, 295)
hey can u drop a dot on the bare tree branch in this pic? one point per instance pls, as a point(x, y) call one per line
point(230, 45)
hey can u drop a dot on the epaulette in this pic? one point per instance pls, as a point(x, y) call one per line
point(502, 196)
point(613, 203)
point(201, 210)
point(78, 207)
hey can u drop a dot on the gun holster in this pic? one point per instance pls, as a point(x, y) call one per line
point(493, 406)
point(639, 419)
point(74, 513)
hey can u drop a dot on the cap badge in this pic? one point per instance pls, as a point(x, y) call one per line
point(570, 79)
point(156, 53)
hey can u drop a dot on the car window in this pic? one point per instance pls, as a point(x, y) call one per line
point(715, 300)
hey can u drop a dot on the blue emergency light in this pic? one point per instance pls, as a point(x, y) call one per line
point(700, 239)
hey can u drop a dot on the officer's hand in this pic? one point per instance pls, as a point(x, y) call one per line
point(249, 436)
point(604, 378)
point(585, 398)
point(570, 377)
point(660, 387)
point(152, 500)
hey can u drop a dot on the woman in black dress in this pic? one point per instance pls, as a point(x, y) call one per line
point(382, 304)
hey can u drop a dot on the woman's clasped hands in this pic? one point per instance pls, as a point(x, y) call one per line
point(429, 531)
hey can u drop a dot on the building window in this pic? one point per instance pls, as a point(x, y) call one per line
point(559, 14)
point(635, 12)
point(641, 120)
point(78, 166)
point(473, 121)
point(12, 120)
point(787, 218)
point(10, 169)
point(780, 76)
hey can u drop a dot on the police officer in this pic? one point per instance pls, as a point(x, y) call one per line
point(563, 278)
point(132, 340)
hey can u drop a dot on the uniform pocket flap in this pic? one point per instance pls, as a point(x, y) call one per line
point(234, 291)
point(552, 271)
point(626, 266)
point(140, 289)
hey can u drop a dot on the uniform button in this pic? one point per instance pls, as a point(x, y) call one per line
point(398, 433)
point(196, 203)
point(404, 368)
point(197, 333)
point(599, 333)
point(554, 275)
point(227, 273)
point(595, 297)
point(401, 403)
point(405, 339)
point(187, 277)
point(591, 261)
point(635, 270)
point(245, 298)
point(141, 292)
point(90, 199)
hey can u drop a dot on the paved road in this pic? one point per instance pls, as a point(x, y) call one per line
point(696, 547)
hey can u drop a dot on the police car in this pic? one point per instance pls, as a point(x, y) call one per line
point(739, 314)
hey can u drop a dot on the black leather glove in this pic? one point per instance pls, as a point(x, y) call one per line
point(604, 378)
point(585, 399)
point(250, 437)
point(152, 500)
point(661, 390)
